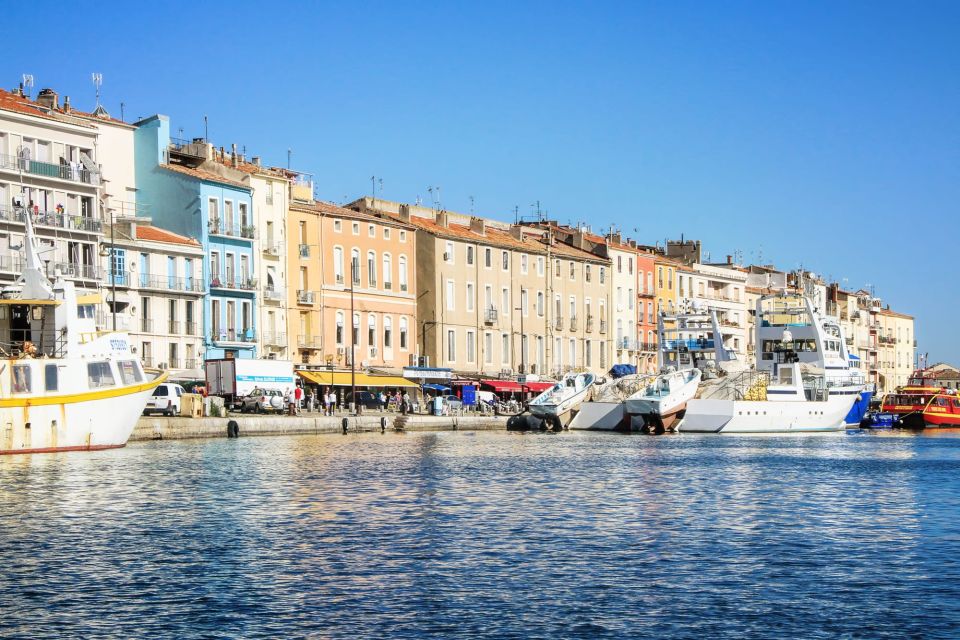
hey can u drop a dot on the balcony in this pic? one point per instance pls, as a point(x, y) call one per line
point(190, 328)
point(52, 219)
point(75, 172)
point(630, 344)
point(647, 346)
point(558, 323)
point(170, 283)
point(190, 363)
point(232, 335)
point(304, 297)
point(173, 363)
point(173, 327)
point(146, 325)
point(275, 339)
point(105, 321)
point(490, 315)
point(304, 251)
point(588, 326)
point(573, 323)
point(218, 227)
point(272, 249)
point(603, 326)
point(82, 271)
point(272, 295)
point(120, 279)
point(231, 282)
point(309, 342)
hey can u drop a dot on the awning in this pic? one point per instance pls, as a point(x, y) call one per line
point(436, 387)
point(539, 387)
point(853, 357)
point(503, 386)
point(343, 379)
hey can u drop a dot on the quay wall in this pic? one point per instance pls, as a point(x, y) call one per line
point(162, 428)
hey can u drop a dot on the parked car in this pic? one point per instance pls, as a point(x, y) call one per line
point(261, 401)
point(165, 400)
point(453, 403)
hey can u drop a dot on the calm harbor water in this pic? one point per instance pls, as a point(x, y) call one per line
point(486, 535)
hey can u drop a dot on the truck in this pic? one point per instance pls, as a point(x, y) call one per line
point(233, 378)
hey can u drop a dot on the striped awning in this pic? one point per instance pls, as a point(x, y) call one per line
point(343, 379)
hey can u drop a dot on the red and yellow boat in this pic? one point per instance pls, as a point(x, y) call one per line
point(922, 402)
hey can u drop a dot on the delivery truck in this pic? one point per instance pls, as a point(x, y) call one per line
point(233, 378)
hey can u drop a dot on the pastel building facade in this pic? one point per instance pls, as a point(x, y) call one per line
point(193, 196)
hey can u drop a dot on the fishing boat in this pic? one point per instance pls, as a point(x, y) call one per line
point(910, 402)
point(791, 389)
point(64, 386)
point(556, 404)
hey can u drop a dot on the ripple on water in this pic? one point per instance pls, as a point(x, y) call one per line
point(485, 535)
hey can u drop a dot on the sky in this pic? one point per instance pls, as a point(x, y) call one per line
point(818, 134)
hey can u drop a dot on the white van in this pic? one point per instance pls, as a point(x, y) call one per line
point(165, 400)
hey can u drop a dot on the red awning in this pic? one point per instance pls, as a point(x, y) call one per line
point(503, 386)
point(539, 387)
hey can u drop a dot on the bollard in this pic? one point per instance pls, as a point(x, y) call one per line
point(345, 424)
point(233, 429)
point(383, 424)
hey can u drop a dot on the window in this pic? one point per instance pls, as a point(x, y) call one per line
point(630, 299)
point(540, 308)
point(371, 269)
point(602, 274)
point(338, 226)
point(649, 281)
point(356, 328)
point(355, 267)
point(669, 278)
point(99, 375)
point(451, 291)
point(403, 333)
point(573, 268)
point(371, 330)
point(586, 273)
point(573, 352)
point(451, 345)
point(403, 236)
point(387, 332)
point(523, 302)
point(487, 257)
point(470, 296)
point(386, 233)
point(505, 261)
point(356, 228)
point(505, 348)
point(505, 300)
point(371, 231)
point(630, 266)
point(587, 356)
point(539, 265)
point(339, 335)
point(619, 264)
point(660, 277)
point(558, 351)
point(523, 263)
point(403, 273)
point(471, 346)
point(338, 264)
point(470, 254)
point(556, 268)
point(50, 377)
point(213, 213)
point(129, 372)
point(387, 272)
point(228, 215)
point(244, 218)
point(448, 253)
point(22, 379)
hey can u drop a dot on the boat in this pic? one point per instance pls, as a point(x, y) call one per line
point(911, 401)
point(555, 405)
point(64, 386)
point(664, 400)
point(606, 410)
point(689, 343)
point(791, 390)
point(943, 410)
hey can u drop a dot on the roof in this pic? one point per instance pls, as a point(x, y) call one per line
point(156, 234)
point(200, 174)
point(329, 209)
point(21, 104)
point(254, 169)
point(895, 314)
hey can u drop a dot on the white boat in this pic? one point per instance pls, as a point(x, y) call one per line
point(556, 403)
point(689, 343)
point(606, 411)
point(664, 400)
point(64, 386)
point(799, 384)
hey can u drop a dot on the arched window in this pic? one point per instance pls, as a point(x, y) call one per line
point(387, 272)
point(403, 332)
point(339, 327)
point(355, 266)
point(356, 328)
point(387, 332)
point(338, 264)
point(402, 261)
point(371, 269)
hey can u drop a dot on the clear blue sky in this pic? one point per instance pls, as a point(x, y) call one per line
point(822, 134)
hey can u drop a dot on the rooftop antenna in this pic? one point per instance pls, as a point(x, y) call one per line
point(289, 154)
point(122, 105)
point(97, 79)
point(27, 83)
point(471, 205)
point(433, 202)
point(206, 130)
point(516, 214)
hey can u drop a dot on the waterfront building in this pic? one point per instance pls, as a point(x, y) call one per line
point(342, 260)
point(720, 288)
point(157, 278)
point(499, 300)
point(193, 195)
point(624, 301)
point(647, 338)
point(48, 167)
point(896, 348)
point(762, 280)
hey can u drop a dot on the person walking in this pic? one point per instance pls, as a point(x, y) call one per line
point(382, 398)
point(298, 397)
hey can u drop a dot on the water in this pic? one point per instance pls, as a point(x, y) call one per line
point(486, 535)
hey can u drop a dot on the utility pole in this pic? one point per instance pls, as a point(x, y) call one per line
point(354, 327)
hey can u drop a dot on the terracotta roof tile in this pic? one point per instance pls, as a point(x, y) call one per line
point(199, 174)
point(12, 102)
point(156, 234)
point(330, 209)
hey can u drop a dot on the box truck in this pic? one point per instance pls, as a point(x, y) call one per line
point(232, 378)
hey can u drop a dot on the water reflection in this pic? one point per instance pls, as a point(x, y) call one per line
point(485, 535)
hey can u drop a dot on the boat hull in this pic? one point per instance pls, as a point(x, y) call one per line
point(859, 410)
point(90, 421)
point(764, 416)
point(601, 416)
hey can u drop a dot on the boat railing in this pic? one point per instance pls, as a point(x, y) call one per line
point(746, 385)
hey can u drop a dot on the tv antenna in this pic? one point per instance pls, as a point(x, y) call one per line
point(27, 82)
point(471, 205)
point(97, 79)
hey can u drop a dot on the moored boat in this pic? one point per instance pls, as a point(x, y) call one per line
point(664, 400)
point(556, 404)
point(63, 385)
point(909, 402)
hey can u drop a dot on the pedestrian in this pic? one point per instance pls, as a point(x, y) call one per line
point(406, 402)
point(310, 400)
point(383, 401)
point(298, 398)
point(331, 399)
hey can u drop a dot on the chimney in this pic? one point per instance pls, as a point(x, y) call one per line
point(516, 231)
point(66, 104)
point(633, 243)
point(405, 212)
point(256, 160)
point(48, 98)
point(478, 225)
point(729, 259)
point(233, 156)
point(442, 219)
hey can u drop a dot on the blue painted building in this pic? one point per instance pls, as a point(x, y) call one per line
point(192, 191)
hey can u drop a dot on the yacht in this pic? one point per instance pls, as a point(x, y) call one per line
point(802, 382)
point(556, 405)
point(64, 386)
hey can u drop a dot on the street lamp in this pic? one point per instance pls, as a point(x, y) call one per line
point(354, 329)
